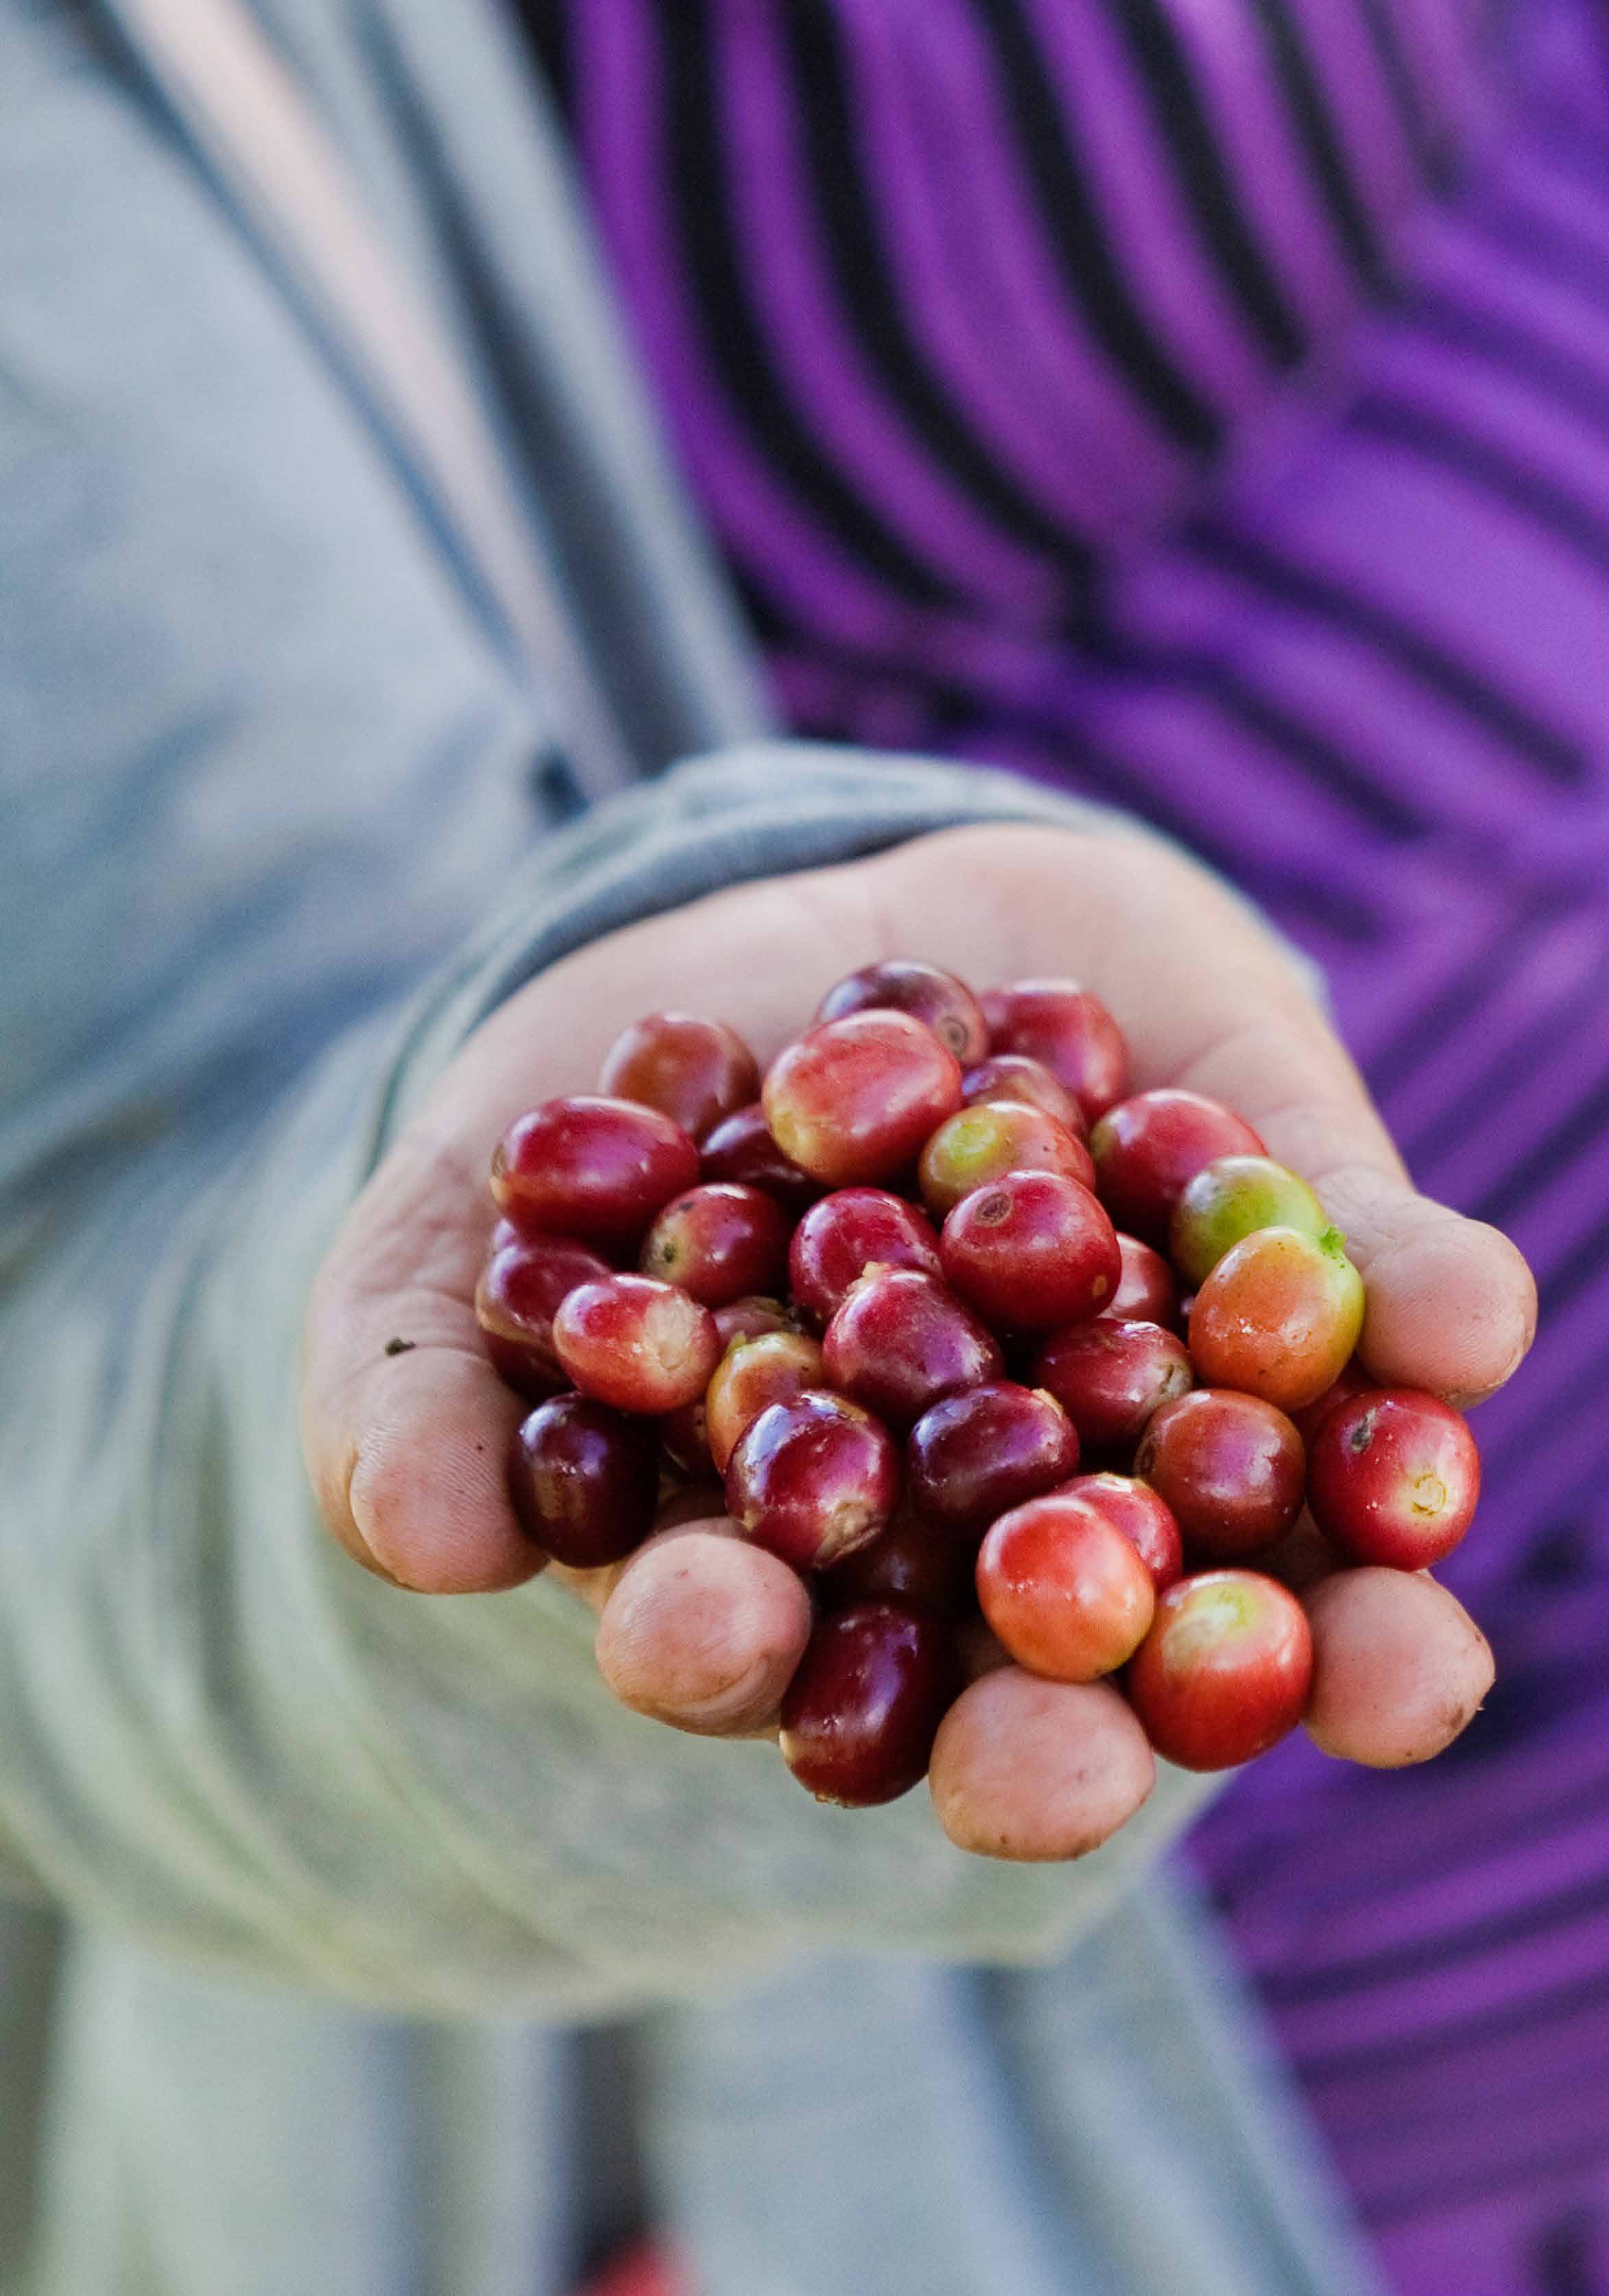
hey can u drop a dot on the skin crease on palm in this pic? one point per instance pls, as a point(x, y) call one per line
point(699, 1629)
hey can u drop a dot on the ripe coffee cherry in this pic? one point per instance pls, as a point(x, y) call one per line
point(1224, 1672)
point(976, 1456)
point(684, 1438)
point(1279, 1316)
point(978, 1647)
point(518, 1290)
point(1146, 1292)
point(591, 1167)
point(1032, 1251)
point(636, 1343)
point(1147, 1150)
point(772, 1368)
point(742, 1149)
point(1233, 1197)
point(695, 1071)
point(1071, 1031)
point(1302, 1557)
point(912, 1562)
point(1144, 1517)
point(720, 1242)
point(814, 1478)
point(979, 1145)
point(1230, 1466)
point(1394, 1479)
point(1063, 1588)
point(900, 1340)
point(1110, 1377)
point(686, 1433)
point(854, 1099)
point(748, 1318)
point(942, 1003)
point(860, 1715)
point(1352, 1380)
point(1015, 1076)
point(845, 1233)
point(584, 1481)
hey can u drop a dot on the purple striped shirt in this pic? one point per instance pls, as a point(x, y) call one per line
point(1208, 408)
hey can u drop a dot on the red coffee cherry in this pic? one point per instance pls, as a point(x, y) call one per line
point(1225, 1671)
point(696, 1071)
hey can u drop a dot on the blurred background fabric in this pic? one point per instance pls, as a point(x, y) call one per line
point(1208, 409)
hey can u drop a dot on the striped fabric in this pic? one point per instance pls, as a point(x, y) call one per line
point(1207, 406)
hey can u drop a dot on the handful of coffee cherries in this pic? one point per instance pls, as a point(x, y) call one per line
point(1009, 1365)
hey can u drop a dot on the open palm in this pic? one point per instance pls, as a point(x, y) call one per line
point(699, 1628)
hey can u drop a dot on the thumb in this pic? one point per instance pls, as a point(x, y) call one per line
point(1451, 1303)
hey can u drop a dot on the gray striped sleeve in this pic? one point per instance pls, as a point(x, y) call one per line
point(221, 1735)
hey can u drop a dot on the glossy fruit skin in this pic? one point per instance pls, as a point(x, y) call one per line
point(1231, 1467)
point(772, 1368)
point(814, 1478)
point(584, 1481)
point(1070, 1031)
point(748, 1317)
point(521, 1287)
point(1352, 1379)
point(696, 1071)
point(686, 1433)
point(638, 1344)
point(1278, 1316)
point(1147, 1290)
point(1225, 1671)
point(979, 1144)
point(1148, 1149)
point(741, 1148)
point(853, 1100)
point(1144, 1517)
point(1109, 1377)
point(591, 1167)
point(861, 1713)
point(938, 1000)
point(975, 1456)
point(843, 1234)
point(1030, 1251)
point(720, 1242)
point(685, 1439)
point(1233, 1197)
point(901, 1340)
point(1063, 1588)
point(1018, 1077)
point(912, 1562)
point(1394, 1478)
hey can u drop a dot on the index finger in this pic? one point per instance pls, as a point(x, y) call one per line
point(1209, 1000)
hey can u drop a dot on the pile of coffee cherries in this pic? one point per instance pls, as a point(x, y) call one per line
point(1008, 1365)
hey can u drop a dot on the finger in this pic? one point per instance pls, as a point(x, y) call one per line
point(702, 1507)
point(1033, 1770)
point(419, 1495)
point(703, 1631)
point(405, 1424)
point(1209, 1001)
point(1399, 1666)
point(1450, 1303)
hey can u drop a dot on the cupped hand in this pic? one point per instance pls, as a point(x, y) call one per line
point(406, 1446)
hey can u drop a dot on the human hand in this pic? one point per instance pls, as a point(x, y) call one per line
point(701, 1630)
